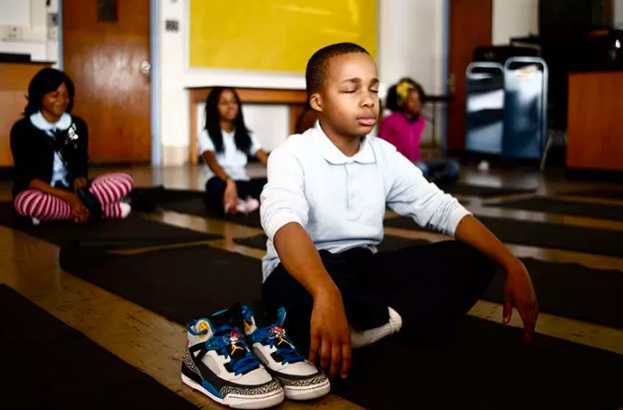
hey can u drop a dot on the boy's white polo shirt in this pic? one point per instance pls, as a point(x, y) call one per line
point(340, 201)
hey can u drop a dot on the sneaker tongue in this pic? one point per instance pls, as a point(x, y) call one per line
point(201, 327)
point(281, 317)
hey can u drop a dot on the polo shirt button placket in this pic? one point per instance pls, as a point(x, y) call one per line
point(352, 206)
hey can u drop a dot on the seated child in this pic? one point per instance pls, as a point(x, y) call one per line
point(306, 119)
point(50, 155)
point(322, 210)
point(404, 127)
point(224, 144)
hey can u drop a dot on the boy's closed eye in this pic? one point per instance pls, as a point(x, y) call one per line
point(349, 90)
point(350, 86)
point(374, 86)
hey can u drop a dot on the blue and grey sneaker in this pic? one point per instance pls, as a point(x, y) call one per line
point(300, 379)
point(219, 364)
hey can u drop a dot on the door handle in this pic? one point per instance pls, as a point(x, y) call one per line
point(145, 67)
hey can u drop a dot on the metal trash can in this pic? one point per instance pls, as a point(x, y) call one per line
point(484, 107)
point(525, 107)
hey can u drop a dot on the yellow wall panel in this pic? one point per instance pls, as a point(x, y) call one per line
point(275, 35)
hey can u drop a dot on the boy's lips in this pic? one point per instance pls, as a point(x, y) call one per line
point(367, 121)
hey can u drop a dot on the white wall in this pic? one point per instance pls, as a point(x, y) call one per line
point(30, 33)
point(618, 14)
point(15, 13)
point(410, 44)
point(269, 122)
point(514, 18)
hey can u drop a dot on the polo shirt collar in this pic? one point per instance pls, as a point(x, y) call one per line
point(38, 120)
point(334, 156)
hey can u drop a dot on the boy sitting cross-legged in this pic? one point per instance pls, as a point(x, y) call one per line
point(323, 209)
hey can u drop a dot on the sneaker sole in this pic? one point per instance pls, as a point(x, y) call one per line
point(307, 392)
point(239, 402)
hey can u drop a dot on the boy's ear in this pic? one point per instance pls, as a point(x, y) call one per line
point(315, 102)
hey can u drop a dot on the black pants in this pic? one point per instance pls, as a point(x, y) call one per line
point(215, 189)
point(440, 171)
point(431, 287)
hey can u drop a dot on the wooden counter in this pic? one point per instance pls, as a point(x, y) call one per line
point(595, 121)
point(294, 99)
point(14, 80)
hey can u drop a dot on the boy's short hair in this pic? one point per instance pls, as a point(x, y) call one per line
point(316, 69)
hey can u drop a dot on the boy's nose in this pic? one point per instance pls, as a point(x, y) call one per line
point(369, 99)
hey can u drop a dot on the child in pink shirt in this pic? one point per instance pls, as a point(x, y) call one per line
point(396, 127)
point(404, 127)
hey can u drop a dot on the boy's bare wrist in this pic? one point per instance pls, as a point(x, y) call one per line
point(509, 262)
point(326, 290)
point(513, 265)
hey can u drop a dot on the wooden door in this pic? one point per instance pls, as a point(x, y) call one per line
point(470, 27)
point(106, 53)
point(595, 136)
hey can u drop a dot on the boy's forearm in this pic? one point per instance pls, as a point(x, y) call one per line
point(471, 231)
point(301, 259)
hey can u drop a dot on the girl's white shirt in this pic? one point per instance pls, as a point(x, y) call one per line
point(59, 172)
point(232, 160)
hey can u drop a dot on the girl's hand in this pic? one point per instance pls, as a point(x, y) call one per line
point(79, 212)
point(230, 197)
point(519, 293)
point(80, 183)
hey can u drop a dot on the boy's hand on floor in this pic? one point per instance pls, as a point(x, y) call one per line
point(330, 334)
point(519, 292)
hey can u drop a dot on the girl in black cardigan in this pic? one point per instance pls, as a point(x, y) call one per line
point(50, 155)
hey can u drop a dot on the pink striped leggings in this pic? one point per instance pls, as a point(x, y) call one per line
point(109, 189)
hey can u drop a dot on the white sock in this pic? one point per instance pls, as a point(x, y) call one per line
point(241, 206)
point(125, 209)
point(369, 336)
point(252, 204)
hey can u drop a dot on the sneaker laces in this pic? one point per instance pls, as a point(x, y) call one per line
point(229, 342)
point(276, 337)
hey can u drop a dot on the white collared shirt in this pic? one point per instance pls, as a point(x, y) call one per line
point(232, 160)
point(59, 172)
point(340, 201)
